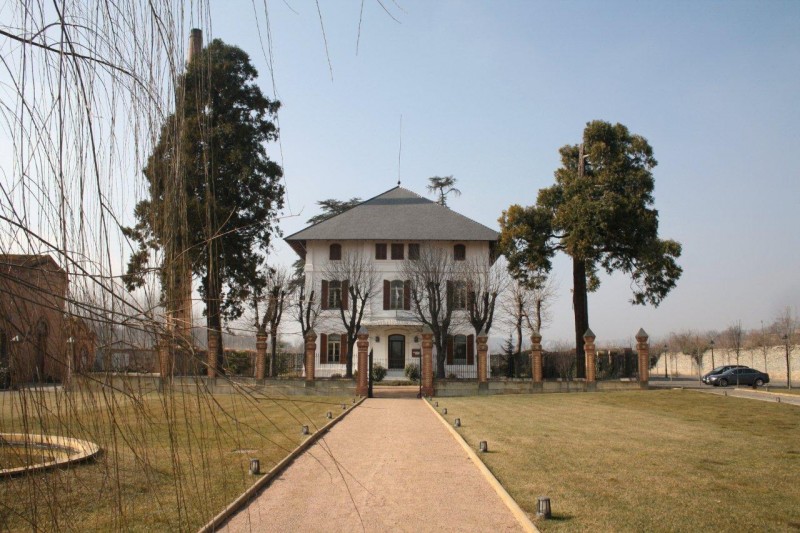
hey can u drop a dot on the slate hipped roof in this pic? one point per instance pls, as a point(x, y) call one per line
point(396, 215)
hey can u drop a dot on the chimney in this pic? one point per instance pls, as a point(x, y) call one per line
point(195, 43)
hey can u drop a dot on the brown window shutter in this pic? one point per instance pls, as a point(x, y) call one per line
point(345, 287)
point(323, 349)
point(470, 349)
point(343, 350)
point(450, 349)
point(324, 294)
point(449, 293)
point(407, 295)
point(386, 291)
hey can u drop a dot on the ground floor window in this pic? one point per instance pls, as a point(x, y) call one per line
point(334, 348)
point(460, 349)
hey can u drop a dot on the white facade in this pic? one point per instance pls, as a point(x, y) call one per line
point(398, 328)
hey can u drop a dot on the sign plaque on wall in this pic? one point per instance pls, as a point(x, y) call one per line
point(416, 352)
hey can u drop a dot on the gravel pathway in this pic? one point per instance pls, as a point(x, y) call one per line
point(389, 466)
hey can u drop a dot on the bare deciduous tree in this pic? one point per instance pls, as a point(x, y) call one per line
point(785, 326)
point(733, 338)
point(356, 279)
point(277, 289)
point(432, 280)
point(485, 281)
point(526, 308)
point(692, 344)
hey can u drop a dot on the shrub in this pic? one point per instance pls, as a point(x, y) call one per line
point(412, 372)
point(336, 376)
point(378, 373)
point(452, 375)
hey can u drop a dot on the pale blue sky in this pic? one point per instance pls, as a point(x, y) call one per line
point(489, 91)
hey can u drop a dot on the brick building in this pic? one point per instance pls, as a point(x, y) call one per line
point(39, 341)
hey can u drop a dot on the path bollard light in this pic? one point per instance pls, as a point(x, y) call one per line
point(255, 467)
point(436, 404)
point(354, 400)
point(344, 406)
point(779, 399)
point(457, 422)
point(483, 447)
point(328, 415)
point(304, 430)
point(444, 411)
point(543, 507)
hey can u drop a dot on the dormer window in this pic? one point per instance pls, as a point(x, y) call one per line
point(335, 253)
point(459, 252)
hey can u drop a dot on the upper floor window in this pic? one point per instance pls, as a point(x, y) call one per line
point(334, 348)
point(397, 250)
point(459, 252)
point(335, 252)
point(460, 295)
point(380, 250)
point(397, 291)
point(334, 294)
point(413, 251)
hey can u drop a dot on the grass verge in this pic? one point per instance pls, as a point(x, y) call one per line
point(169, 462)
point(642, 461)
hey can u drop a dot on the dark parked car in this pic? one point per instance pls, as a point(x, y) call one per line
point(719, 370)
point(740, 376)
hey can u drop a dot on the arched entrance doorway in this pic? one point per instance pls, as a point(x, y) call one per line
point(397, 352)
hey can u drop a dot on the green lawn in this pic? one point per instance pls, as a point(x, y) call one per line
point(169, 463)
point(666, 460)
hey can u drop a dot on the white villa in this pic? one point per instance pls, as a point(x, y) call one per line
point(387, 230)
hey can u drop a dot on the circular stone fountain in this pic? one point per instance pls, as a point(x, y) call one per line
point(23, 452)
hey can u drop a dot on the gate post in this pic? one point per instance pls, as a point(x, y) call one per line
point(643, 348)
point(591, 360)
point(427, 362)
point(311, 352)
point(261, 354)
point(362, 386)
point(536, 359)
point(483, 349)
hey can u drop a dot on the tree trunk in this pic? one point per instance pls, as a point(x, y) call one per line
point(581, 307)
point(273, 367)
point(213, 296)
point(351, 345)
point(441, 355)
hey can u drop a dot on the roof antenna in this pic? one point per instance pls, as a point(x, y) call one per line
point(400, 151)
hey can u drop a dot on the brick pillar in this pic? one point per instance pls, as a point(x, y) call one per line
point(261, 354)
point(427, 362)
point(213, 347)
point(483, 353)
point(536, 357)
point(165, 359)
point(362, 387)
point(591, 356)
point(643, 348)
point(311, 352)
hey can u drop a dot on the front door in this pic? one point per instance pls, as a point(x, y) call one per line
point(397, 352)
